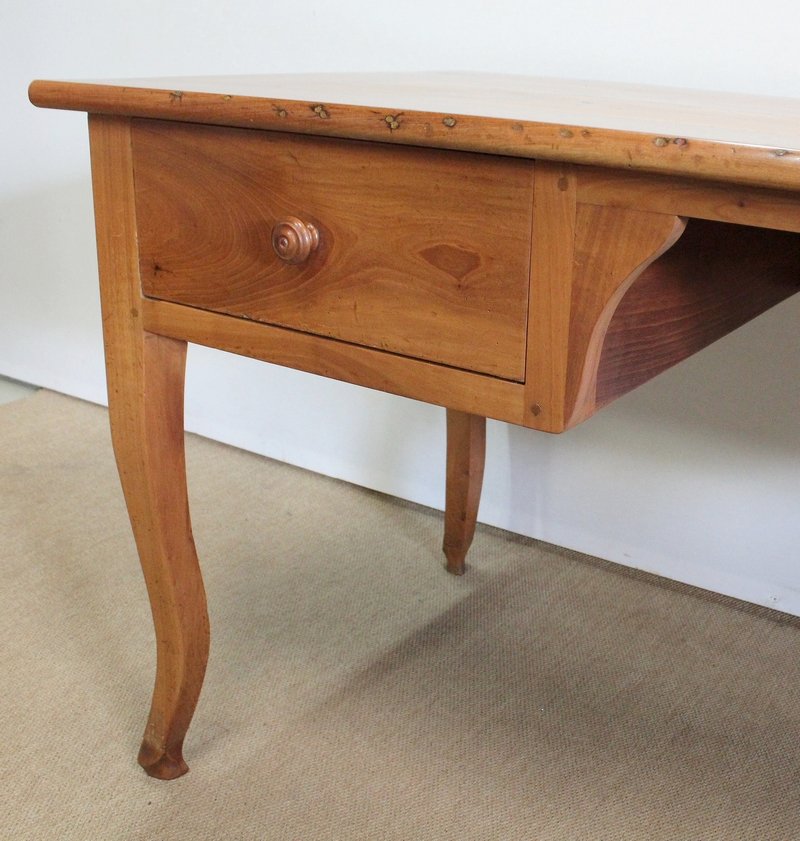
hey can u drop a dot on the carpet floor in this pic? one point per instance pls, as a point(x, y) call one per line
point(357, 691)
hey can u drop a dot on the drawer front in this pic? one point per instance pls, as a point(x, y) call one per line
point(420, 252)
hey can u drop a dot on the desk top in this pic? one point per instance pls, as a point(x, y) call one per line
point(718, 136)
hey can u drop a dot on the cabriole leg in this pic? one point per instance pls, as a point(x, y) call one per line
point(145, 375)
point(147, 430)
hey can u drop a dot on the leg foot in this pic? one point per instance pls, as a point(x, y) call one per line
point(456, 561)
point(162, 763)
point(466, 450)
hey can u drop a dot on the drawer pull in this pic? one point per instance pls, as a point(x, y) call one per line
point(294, 240)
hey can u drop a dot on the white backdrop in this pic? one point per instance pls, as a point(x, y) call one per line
point(695, 476)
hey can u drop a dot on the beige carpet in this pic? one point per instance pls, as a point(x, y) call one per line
point(355, 690)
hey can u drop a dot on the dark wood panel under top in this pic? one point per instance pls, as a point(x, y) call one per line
point(717, 277)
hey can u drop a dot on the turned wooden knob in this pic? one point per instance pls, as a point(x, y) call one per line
point(294, 240)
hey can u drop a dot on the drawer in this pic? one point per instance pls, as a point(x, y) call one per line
point(418, 252)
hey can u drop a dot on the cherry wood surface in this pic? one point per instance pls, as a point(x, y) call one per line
point(466, 455)
point(421, 252)
point(742, 205)
point(618, 295)
point(552, 268)
point(442, 385)
point(601, 278)
point(716, 278)
point(405, 247)
point(145, 375)
point(730, 137)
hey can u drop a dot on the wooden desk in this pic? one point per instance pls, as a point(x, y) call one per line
point(522, 249)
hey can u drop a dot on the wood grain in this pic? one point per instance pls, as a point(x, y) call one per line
point(421, 252)
point(415, 276)
point(741, 205)
point(552, 266)
point(716, 278)
point(145, 391)
point(437, 384)
point(466, 454)
point(612, 248)
point(724, 137)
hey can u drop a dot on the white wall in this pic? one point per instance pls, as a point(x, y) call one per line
point(695, 476)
